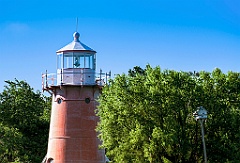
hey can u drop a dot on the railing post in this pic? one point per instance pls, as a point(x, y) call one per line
point(109, 74)
point(100, 75)
point(46, 80)
point(61, 76)
point(106, 78)
point(43, 77)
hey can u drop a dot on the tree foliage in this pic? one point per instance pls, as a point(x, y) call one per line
point(147, 117)
point(24, 123)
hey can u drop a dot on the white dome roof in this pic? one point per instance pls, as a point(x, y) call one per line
point(76, 45)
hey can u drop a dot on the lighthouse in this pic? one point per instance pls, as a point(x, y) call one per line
point(74, 87)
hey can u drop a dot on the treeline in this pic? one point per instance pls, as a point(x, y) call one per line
point(147, 116)
point(24, 123)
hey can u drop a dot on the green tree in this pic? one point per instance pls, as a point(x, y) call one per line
point(24, 119)
point(10, 139)
point(147, 117)
point(222, 100)
point(136, 70)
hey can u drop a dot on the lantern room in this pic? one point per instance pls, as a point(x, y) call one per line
point(76, 64)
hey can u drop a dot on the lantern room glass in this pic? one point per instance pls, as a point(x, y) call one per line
point(60, 61)
point(76, 60)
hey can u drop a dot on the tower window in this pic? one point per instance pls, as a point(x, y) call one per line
point(59, 100)
point(87, 100)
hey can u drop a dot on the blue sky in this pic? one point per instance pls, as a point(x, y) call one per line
point(182, 35)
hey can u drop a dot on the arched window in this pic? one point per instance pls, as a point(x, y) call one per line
point(50, 160)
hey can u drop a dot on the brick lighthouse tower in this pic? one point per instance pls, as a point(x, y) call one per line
point(74, 89)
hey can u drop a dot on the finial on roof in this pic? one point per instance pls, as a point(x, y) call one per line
point(76, 36)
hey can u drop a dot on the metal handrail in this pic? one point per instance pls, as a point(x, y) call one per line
point(50, 79)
